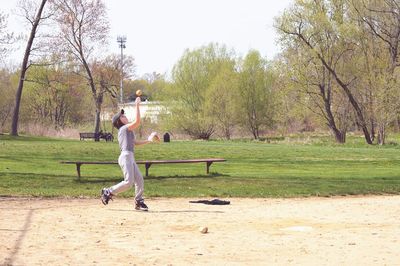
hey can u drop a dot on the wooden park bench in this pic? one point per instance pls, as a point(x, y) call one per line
point(88, 135)
point(96, 137)
point(149, 163)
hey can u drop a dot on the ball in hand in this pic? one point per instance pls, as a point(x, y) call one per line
point(153, 137)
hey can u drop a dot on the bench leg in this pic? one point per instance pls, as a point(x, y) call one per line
point(78, 169)
point(147, 168)
point(208, 167)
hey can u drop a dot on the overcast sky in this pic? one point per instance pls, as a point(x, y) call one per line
point(159, 31)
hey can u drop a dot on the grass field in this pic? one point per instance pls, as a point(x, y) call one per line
point(29, 166)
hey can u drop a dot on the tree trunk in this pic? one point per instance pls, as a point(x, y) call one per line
point(99, 103)
point(381, 135)
point(353, 101)
point(4, 116)
point(227, 133)
point(254, 128)
point(372, 130)
point(24, 67)
point(340, 137)
point(97, 123)
point(396, 125)
point(255, 133)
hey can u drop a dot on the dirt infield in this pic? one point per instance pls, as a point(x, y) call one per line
point(311, 231)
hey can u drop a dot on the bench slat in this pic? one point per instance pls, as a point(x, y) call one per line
point(148, 163)
point(182, 161)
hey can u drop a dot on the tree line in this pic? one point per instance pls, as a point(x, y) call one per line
point(337, 69)
point(343, 56)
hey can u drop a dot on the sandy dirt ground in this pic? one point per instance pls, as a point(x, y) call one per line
point(308, 231)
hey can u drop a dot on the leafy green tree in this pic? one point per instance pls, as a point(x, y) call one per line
point(382, 17)
point(317, 89)
point(157, 84)
point(379, 39)
point(223, 92)
point(53, 96)
point(193, 76)
point(322, 24)
point(256, 104)
point(7, 92)
point(152, 85)
point(357, 43)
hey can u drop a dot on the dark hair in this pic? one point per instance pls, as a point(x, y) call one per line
point(117, 121)
point(118, 124)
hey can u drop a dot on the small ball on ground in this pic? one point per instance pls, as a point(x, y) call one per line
point(203, 229)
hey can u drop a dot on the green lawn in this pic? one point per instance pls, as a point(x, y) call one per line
point(29, 166)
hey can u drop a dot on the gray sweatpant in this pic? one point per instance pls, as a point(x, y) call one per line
point(132, 176)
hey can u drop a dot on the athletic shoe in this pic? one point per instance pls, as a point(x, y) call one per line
point(141, 206)
point(106, 196)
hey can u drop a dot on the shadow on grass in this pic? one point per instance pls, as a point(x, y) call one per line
point(211, 175)
point(103, 179)
point(74, 178)
point(91, 180)
point(26, 138)
point(34, 175)
point(21, 158)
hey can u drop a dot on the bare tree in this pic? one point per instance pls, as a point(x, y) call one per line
point(107, 73)
point(84, 27)
point(34, 18)
point(6, 38)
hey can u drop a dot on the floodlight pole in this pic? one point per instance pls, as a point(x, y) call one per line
point(121, 40)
